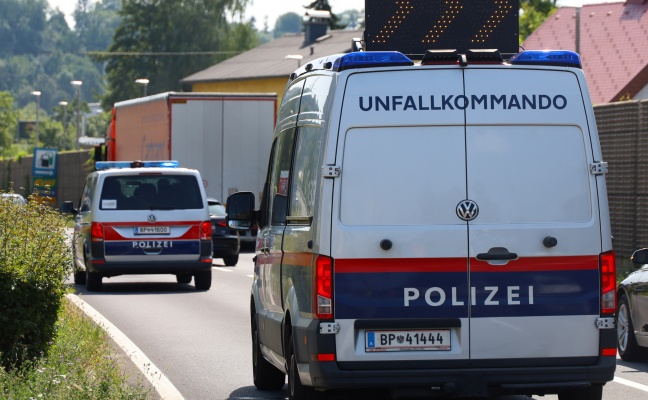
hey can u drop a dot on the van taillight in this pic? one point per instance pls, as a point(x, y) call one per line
point(324, 287)
point(97, 232)
point(206, 230)
point(607, 265)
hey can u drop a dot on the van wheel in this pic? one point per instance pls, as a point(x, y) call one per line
point(183, 278)
point(266, 376)
point(231, 261)
point(93, 281)
point(79, 277)
point(629, 349)
point(203, 280)
point(594, 392)
point(298, 391)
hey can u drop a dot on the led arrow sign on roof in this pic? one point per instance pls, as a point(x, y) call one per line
point(414, 26)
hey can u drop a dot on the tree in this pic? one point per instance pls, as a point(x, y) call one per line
point(532, 14)
point(150, 30)
point(287, 23)
point(8, 121)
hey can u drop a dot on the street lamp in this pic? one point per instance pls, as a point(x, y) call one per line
point(144, 82)
point(64, 104)
point(78, 116)
point(37, 94)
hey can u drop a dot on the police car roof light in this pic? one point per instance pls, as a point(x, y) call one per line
point(370, 59)
point(484, 56)
point(440, 57)
point(101, 165)
point(558, 58)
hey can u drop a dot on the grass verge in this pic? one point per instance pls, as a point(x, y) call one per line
point(81, 364)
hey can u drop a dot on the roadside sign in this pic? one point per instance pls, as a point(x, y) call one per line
point(44, 174)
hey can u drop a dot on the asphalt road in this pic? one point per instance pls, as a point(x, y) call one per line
point(201, 340)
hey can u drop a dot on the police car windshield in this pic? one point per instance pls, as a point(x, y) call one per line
point(150, 192)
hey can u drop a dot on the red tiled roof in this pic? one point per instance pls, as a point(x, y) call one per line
point(613, 45)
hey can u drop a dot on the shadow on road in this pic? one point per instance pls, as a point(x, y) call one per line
point(137, 288)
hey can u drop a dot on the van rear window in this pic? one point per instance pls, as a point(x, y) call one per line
point(150, 192)
point(399, 176)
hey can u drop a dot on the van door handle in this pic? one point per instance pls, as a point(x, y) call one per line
point(497, 254)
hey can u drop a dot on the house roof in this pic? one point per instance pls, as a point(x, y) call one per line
point(613, 45)
point(269, 60)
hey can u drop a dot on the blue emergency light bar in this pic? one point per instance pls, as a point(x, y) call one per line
point(100, 165)
point(558, 58)
point(370, 59)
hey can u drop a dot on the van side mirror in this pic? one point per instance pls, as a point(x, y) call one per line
point(68, 208)
point(640, 256)
point(240, 210)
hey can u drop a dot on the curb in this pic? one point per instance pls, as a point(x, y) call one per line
point(155, 377)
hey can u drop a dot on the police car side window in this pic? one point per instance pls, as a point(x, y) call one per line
point(86, 199)
point(305, 171)
point(280, 177)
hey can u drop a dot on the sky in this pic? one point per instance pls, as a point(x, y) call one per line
point(274, 8)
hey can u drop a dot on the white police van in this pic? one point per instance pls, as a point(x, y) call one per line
point(142, 217)
point(434, 228)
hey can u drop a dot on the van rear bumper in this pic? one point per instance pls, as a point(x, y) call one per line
point(480, 378)
point(132, 268)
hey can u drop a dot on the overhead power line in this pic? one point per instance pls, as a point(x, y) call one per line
point(158, 53)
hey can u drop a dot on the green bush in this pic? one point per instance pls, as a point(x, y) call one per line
point(81, 365)
point(34, 263)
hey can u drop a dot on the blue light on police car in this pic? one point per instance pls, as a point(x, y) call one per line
point(369, 59)
point(560, 58)
point(101, 165)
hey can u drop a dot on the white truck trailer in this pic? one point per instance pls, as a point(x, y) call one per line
point(226, 136)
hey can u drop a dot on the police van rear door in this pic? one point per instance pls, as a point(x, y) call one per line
point(535, 241)
point(400, 251)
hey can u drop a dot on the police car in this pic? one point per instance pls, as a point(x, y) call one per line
point(493, 271)
point(146, 217)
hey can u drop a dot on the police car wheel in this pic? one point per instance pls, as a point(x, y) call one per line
point(93, 281)
point(79, 277)
point(266, 376)
point(183, 278)
point(203, 280)
point(594, 392)
point(629, 349)
point(298, 391)
point(231, 261)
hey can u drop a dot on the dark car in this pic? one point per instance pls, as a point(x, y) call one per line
point(632, 311)
point(226, 241)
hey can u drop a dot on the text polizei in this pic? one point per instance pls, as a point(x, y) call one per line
point(436, 296)
point(152, 244)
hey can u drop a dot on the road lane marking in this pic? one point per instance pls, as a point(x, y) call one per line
point(222, 269)
point(251, 276)
point(158, 380)
point(631, 384)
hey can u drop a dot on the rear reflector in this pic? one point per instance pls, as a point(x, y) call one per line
point(609, 352)
point(326, 357)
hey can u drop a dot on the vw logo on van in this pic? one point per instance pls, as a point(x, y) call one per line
point(152, 218)
point(467, 210)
